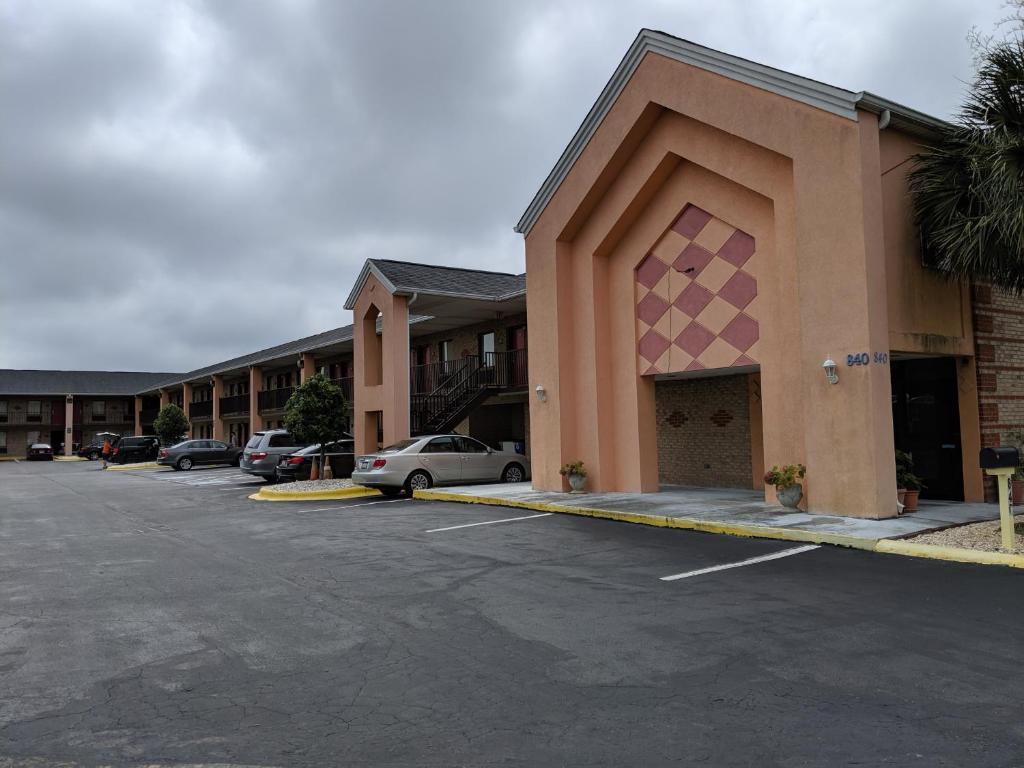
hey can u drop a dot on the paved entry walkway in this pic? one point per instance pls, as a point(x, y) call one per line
point(725, 510)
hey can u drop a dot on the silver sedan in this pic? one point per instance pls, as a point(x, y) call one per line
point(422, 462)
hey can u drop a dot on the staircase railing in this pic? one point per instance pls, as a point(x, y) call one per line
point(441, 391)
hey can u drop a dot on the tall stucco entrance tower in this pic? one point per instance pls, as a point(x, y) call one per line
point(380, 384)
point(716, 217)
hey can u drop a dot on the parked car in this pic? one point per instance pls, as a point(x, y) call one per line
point(192, 453)
point(296, 466)
point(40, 452)
point(128, 450)
point(265, 449)
point(422, 462)
point(94, 449)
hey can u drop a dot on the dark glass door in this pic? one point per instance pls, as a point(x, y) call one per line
point(926, 423)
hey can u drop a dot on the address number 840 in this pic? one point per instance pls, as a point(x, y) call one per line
point(866, 358)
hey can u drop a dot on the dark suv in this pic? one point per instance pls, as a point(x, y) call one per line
point(129, 450)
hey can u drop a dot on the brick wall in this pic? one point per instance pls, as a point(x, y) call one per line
point(999, 349)
point(704, 432)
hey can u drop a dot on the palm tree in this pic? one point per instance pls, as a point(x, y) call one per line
point(968, 188)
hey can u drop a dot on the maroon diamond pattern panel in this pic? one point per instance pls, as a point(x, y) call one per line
point(650, 271)
point(697, 306)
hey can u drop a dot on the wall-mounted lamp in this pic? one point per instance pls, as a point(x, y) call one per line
point(542, 394)
point(830, 370)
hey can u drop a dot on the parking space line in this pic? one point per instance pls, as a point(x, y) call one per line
point(350, 506)
point(489, 522)
point(741, 563)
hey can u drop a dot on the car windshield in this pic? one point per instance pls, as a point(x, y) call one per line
point(401, 445)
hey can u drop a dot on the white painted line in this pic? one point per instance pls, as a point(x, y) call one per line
point(489, 522)
point(741, 563)
point(350, 506)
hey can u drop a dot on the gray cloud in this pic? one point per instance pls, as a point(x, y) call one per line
point(184, 182)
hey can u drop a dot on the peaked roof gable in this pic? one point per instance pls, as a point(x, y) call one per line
point(838, 101)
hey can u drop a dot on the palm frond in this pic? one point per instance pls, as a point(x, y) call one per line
point(968, 188)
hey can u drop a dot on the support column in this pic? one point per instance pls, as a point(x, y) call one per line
point(69, 424)
point(218, 393)
point(186, 399)
point(308, 367)
point(255, 380)
point(138, 416)
point(165, 398)
point(381, 366)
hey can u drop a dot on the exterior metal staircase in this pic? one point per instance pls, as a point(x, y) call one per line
point(445, 393)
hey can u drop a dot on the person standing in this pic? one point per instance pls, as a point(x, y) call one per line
point(106, 451)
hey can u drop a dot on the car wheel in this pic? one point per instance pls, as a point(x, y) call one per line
point(184, 463)
point(514, 473)
point(391, 492)
point(418, 481)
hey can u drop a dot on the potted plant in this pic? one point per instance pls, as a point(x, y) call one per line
point(908, 485)
point(576, 473)
point(902, 461)
point(786, 481)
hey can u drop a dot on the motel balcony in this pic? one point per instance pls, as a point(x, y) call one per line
point(274, 399)
point(234, 405)
point(201, 410)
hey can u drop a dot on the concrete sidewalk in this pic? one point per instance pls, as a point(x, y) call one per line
point(735, 511)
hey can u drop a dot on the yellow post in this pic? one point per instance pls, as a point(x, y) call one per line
point(1002, 476)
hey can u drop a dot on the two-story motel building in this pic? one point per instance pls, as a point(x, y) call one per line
point(713, 234)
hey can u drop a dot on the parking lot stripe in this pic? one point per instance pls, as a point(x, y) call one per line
point(741, 563)
point(489, 522)
point(350, 506)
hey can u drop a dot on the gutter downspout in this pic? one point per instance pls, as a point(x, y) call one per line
point(884, 118)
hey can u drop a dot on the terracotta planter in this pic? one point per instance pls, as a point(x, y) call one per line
point(576, 482)
point(790, 495)
point(910, 500)
point(1018, 491)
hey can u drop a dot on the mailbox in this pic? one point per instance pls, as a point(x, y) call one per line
point(999, 458)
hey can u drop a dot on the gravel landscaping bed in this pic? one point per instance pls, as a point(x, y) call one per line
point(984, 537)
point(304, 486)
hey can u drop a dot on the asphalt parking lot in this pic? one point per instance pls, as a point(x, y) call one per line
point(153, 618)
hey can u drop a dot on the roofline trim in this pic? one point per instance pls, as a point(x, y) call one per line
point(829, 98)
point(370, 268)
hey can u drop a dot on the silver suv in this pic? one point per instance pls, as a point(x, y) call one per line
point(265, 449)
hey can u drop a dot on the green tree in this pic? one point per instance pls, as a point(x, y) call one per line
point(968, 186)
point(170, 424)
point(316, 412)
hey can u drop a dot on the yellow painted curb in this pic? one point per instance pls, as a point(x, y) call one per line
point(70, 458)
point(661, 521)
point(130, 467)
point(274, 494)
point(955, 554)
point(12, 458)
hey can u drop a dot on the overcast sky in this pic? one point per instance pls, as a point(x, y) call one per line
point(183, 182)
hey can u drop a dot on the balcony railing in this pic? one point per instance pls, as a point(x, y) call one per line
point(504, 370)
point(200, 410)
point(274, 399)
point(234, 405)
point(346, 387)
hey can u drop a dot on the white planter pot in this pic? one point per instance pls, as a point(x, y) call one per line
point(790, 496)
point(576, 482)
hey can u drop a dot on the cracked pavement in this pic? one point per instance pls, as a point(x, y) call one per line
point(144, 622)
